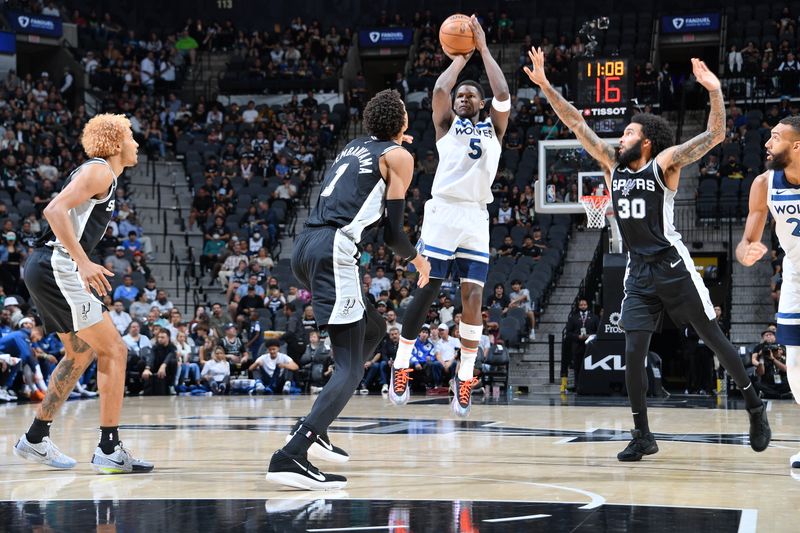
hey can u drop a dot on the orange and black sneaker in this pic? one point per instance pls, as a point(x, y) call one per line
point(462, 395)
point(398, 388)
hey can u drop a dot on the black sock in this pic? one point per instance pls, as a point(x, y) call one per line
point(38, 430)
point(751, 398)
point(109, 438)
point(300, 443)
point(640, 422)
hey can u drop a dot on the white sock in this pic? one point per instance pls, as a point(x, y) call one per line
point(403, 357)
point(465, 369)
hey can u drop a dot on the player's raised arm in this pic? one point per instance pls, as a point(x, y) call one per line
point(442, 102)
point(399, 169)
point(501, 101)
point(676, 157)
point(750, 249)
point(600, 150)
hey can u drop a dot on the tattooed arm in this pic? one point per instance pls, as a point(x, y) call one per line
point(676, 157)
point(79, 356)
point(600, 150)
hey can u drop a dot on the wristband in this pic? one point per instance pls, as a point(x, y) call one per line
point(503, 106)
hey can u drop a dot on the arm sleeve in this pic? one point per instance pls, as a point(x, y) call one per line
point(394, 235)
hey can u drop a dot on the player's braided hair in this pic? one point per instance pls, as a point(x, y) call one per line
point(385, 115)
point(656, 130)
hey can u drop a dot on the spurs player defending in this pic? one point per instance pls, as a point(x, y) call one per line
point(455, 229)
point(776, 192)
point(643, 178)
point(62, 281)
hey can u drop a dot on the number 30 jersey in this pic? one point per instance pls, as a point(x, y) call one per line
point(644, 208)
point(352, 197)
point(468, 158)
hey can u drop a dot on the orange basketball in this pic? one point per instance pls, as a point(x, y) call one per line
point(455, 35)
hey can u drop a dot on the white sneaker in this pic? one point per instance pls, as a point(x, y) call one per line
point(315, 390)
point(385, 388)
point(287, 387)
point(4, 397)
point(12, 395)
point(363, 390)
point(44, 452)
point(794, 461)
point(119, 462)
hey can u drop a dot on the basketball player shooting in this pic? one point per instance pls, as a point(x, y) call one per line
point(370, 175)
point(455, 228)
point(775, 192)
point(643, 178)
point(60, 278)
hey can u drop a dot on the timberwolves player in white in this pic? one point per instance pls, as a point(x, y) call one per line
point(60, 277)
point(643, 179)
point(370, 176)
point(777, 192)
point(455, 229)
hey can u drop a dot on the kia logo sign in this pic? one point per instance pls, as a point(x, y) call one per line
point(374, 36)
point(24, 21)
point(608, 363)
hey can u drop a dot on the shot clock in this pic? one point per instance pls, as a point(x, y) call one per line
point(603, 93)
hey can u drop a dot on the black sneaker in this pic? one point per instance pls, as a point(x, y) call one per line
point(297, 472)
point(638, 447)
point(760, 433)
point(322, 448)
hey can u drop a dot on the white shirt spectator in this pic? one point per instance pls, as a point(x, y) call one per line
point(249, 116)
point(39, 95)
point(446, 314)
point(395, 324)
point(163, 308)
point(214, 117)
point(89, 63)
point(504, 215)
point(735, 61)
point(137, 344)
point(51, 10)
point(218, 370)
point(147, 72)
point(286, 191)
point(269, 364)
point(167, 71)
point(276, 55)
point(378, 285)
point(121, 320)
point(447, 348)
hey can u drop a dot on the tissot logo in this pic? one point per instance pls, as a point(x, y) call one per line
point(678, 22)
point(24, 21)
point(374, 36)
point(604, 111)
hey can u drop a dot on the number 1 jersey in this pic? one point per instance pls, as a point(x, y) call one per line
point(644, 208)
point(468, 158)
point(354, 190)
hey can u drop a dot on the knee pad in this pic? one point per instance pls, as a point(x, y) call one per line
point(470, 332)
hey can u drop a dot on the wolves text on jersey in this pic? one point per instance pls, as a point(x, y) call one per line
point(627, 185)
point(786, 209)
point(482, 129)
point(363, 155)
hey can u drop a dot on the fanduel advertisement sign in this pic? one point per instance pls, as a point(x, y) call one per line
point(29, 23)
point(384, 37)
point(690, 23)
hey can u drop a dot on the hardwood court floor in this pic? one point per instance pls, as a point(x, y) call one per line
point(560, 455)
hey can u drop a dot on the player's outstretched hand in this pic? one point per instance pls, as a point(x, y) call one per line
point(424, 268)
point(755, 251)
point(94, 277)
point(704, 76)
point(536, 73)
point(408, 139)
point(478, 34)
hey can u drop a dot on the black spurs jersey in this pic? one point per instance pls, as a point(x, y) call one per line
point(644, 208)
point(353, 191)
point(90, 219)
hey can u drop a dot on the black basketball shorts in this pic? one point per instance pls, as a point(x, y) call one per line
point(669, 283)
point(325, 261)
point(58, 292)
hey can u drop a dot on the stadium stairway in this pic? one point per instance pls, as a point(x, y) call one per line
point(531, 367)
point(162, 201)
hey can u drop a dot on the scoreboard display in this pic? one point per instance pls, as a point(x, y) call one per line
point(602, 93)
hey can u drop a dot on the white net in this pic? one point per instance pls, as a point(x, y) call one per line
point(595, 210)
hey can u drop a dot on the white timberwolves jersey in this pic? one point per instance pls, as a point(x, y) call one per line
point(783, 200)
point(468, 159)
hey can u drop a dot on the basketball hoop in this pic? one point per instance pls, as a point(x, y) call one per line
point(595, 210)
